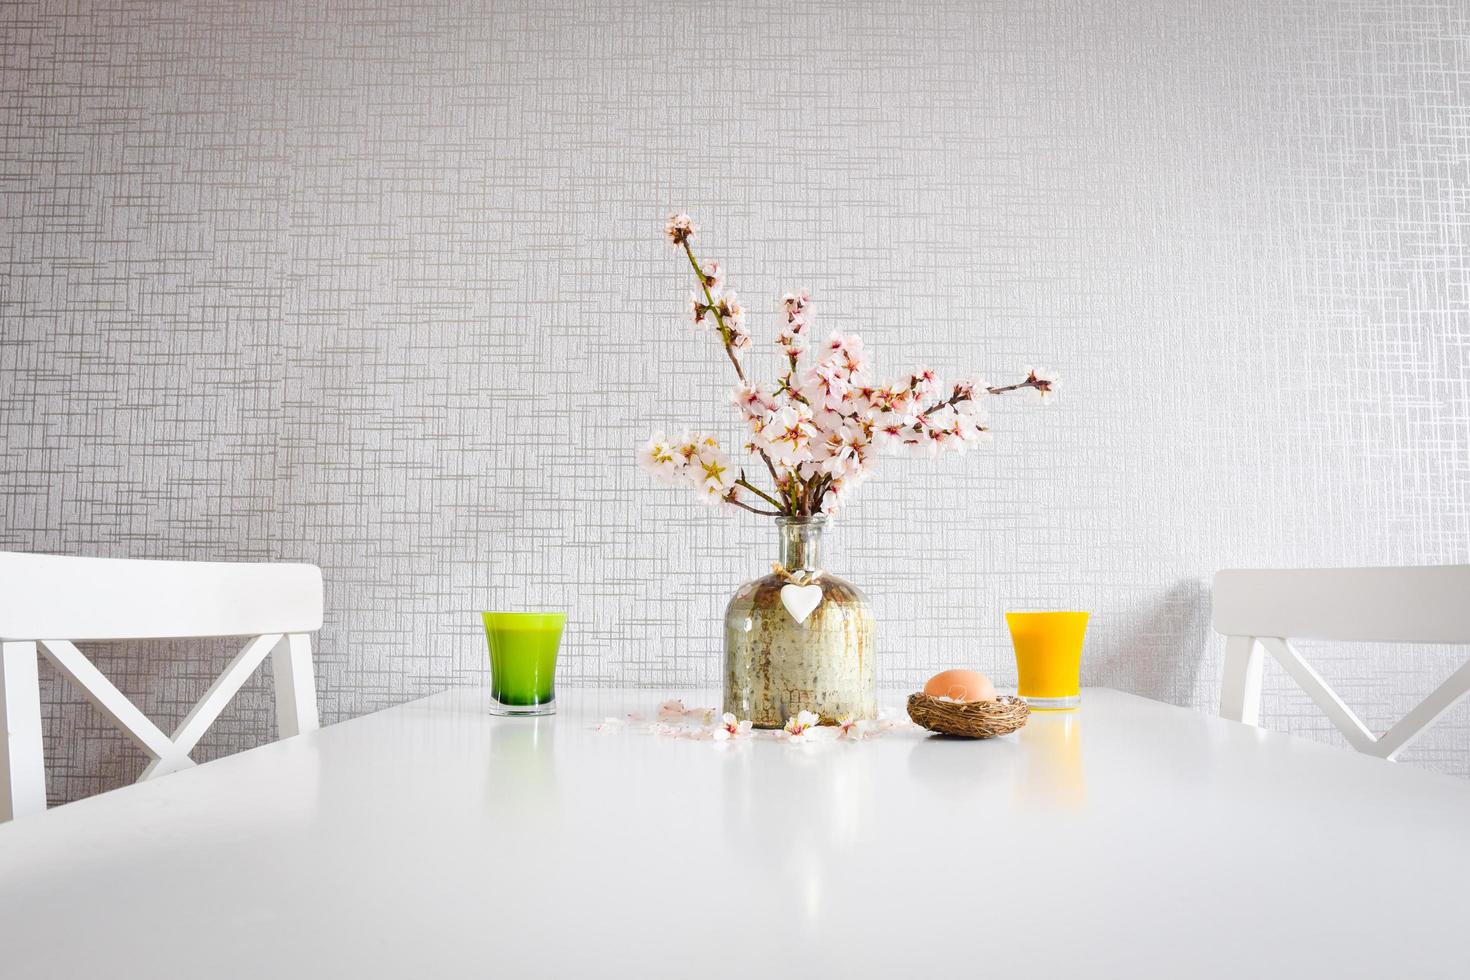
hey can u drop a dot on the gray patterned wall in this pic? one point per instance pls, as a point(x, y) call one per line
point(379, 285)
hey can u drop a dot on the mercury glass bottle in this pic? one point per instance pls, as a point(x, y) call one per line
point(814, 651)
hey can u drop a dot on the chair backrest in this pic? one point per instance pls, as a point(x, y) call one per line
point(1266, 608)
point(47, 602)
point(46, 597)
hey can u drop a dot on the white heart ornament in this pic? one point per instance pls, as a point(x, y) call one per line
point(800, 600)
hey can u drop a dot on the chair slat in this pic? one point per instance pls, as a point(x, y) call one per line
point(1417, 722)
point(1333, 706)
point(224, 688)
point(106, 698)
point(44, 597)
point(1427, 604)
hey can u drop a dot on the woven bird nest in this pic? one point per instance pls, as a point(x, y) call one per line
point(969, 719)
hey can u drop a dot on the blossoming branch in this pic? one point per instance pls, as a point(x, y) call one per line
point(819, 430)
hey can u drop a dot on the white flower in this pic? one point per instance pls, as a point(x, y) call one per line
point(752, 400)
point(714, 276)
point(847, 352)
point(923, 384)
point(609, 726)
point(890, 427)
point(680, 229)
point(686, 446)
point(712, 469)
point(792, 343)
point(795, 303)
point(739, 338)
point(659, 457)
point(799, 726)
point(827, 383)
point(787, 434)
point(840, 451)
point(730, 728)
point(730, 309)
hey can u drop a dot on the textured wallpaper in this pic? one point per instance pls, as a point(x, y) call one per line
point(380, 286)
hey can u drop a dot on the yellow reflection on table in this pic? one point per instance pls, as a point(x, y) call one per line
point(1053, 775)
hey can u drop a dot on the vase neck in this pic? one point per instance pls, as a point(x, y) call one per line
point(801, 542)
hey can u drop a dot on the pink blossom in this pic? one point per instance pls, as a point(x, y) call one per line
point(840, 451)
point(923, 384)
point(847, 352)
point(787, 433)
point(672, 717)
point(826, 384)
point(795, 303)
point(680, 229)
point(729, 308)
point(798, 726)
point(739, 338)
point(714, 276)
point(731, 728)
point(713, 473)
point(752, 398)
point(792, 343)
point(659, 457)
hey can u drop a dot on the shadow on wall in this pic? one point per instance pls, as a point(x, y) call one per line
point(1161, 649)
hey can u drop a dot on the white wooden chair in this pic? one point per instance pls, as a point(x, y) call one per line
point(52, 601)
point(1264, 609)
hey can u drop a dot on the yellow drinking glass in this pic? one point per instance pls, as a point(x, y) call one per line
point(1048, 657)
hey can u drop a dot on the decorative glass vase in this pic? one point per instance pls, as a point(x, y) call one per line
point(799, 641)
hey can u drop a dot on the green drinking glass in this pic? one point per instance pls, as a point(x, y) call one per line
point(523, 661)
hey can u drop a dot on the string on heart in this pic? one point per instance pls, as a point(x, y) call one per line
point(795, 578)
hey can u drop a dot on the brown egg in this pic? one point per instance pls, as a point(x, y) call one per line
point(960, 685)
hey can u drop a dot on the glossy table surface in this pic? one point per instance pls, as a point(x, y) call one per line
point(1128, 838)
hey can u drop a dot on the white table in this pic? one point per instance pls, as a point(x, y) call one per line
point(1127, 839)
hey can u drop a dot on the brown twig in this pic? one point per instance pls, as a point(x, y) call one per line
point(725, 335)
point(754, 510)
point(1031, 382)
point(743, 482)
point(709, 300)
